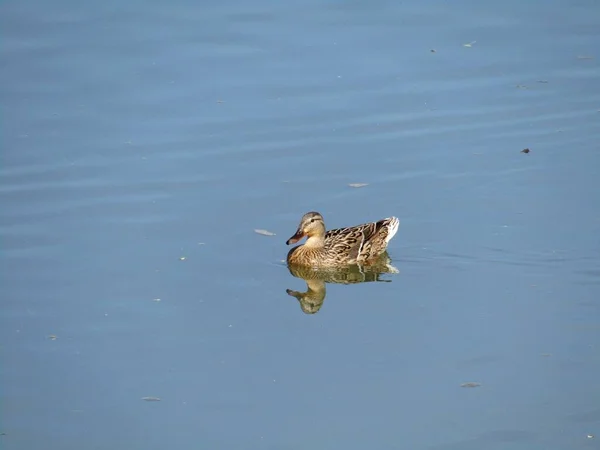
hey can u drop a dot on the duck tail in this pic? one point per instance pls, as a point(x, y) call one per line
point(393, 224)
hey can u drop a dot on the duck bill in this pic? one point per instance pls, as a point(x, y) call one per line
point(295, 238)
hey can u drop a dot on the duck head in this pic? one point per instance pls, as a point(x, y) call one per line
point(311, 225)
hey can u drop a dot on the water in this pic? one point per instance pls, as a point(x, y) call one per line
point(143, 143)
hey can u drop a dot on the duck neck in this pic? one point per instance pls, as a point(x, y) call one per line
point(315, 241)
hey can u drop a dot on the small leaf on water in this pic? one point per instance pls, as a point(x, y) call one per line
point(525, 150)
point(264, 232)
point(358, 185)
point(151, 399)
point(470, 384)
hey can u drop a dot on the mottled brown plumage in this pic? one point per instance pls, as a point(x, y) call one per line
point(358, 244)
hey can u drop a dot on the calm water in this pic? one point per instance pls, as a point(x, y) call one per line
point(144, 142)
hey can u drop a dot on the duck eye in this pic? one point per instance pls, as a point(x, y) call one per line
point(312, 220)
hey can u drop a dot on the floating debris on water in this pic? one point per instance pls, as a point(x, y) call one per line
point(264, 232)
point(52, 337)
point(470, 384)
point(470, 44)
point(525, 150)
point(182, 258)
point(432, 50)
point(358, 185)
point(156, 300)
point(151, 399)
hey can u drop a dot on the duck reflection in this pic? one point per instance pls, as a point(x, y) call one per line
point(312, 299)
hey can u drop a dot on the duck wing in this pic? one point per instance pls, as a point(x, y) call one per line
point(376, 243)
point(347, 243)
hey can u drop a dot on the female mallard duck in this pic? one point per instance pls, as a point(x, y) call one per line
point(352, 245)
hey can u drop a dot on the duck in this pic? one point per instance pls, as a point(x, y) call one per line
point(359, 244)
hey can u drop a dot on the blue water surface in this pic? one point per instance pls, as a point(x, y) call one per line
point(144, 142)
